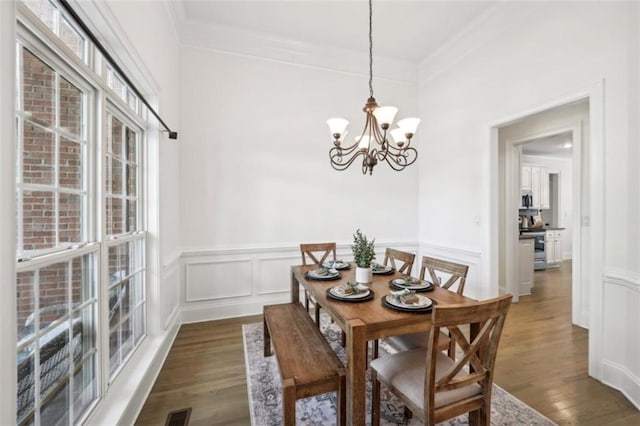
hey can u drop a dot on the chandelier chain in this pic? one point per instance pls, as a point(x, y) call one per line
point(370, 50)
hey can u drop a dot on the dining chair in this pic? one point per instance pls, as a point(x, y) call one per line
point(457, 273)
point(432, 385)
point(405, 260)
point(316, 253)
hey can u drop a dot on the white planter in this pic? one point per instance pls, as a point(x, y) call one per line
point(364, 275)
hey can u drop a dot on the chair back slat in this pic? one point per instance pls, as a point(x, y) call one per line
point(405, 260)
point(457, 271)
point(322, 250)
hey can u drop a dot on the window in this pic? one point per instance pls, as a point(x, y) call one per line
point(81, 239)
point(125, 248)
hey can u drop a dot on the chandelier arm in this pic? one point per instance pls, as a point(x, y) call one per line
point(339, 164)
point(400, 161)
point(348, 150)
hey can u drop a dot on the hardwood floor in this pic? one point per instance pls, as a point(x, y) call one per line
point(542, 360)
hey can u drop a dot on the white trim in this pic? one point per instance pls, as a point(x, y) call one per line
point(452, 253)
point(8, 373)
point(230, 309)
point(246, 43)
point(285, 248)
point(619, 377)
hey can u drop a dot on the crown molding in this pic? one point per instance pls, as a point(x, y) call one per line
point(485, 28)
point(233, 40)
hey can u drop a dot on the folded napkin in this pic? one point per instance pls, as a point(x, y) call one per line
point(405, 296)
point(351, 288)
point(325, 271)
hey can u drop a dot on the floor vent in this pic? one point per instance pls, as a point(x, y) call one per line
point(178, 417)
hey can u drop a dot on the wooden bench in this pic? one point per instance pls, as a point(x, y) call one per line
point(308, 365)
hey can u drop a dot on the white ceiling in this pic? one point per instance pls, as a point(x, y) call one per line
point(408, 30)
point(549, 146)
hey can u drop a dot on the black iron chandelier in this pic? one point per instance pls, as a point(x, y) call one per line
point(373, 144)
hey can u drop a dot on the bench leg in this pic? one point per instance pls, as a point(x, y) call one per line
point(342, 398)
point(288, 402)
point(316, 313)
point(267, 336)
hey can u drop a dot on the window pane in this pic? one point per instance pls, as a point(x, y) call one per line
point(114, 216)
point(54, 359)
point(70, 107)
point(116, 83)
point(84, 388)
point(132, 100)
point(38, 155)
point(138, 323)
point(26, 304)
point(116, 136)
point(132, 145)
point(132, 181)
point(53, 293)
point(43, 9)
point(26, 384)
point(70, 218)
point(125, 298)
point(126, 336)
point(38, 210)
point(114, 306)
point(132, 215)
point(37, 88)
point(83, 279)
point(56, 411)
point(70, 164)
point(114, 346)
point(71, 38)
point(84, 332)
point(116, 176)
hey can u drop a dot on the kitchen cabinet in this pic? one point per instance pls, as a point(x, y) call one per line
point(534, 180)
point(526, 257)
point(553, 247)
point(525, 179)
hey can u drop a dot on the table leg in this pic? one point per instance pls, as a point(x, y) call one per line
point(357, 372)
point(295, 288)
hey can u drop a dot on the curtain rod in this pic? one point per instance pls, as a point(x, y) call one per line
point(114, 64)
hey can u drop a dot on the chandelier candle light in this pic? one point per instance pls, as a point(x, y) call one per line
point(373, 144)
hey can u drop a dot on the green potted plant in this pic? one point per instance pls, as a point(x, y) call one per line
point(363, 255)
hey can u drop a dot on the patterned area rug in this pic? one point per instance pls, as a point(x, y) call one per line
point(265, 392)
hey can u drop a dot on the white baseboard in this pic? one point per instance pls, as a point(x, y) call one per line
point(619, 377)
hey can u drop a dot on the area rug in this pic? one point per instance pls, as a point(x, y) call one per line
point(265, 392)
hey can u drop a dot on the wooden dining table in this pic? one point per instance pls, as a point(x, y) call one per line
point(365, 321)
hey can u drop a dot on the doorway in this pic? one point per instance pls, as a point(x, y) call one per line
point(588, 219)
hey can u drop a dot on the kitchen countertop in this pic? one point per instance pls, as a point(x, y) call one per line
point(546, 228)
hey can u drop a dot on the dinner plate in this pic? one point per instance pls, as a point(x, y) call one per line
point(337, 264)
point(360, 297)
point(383, 270)
point(425, 304)
point(332, 275)
point(416, 284)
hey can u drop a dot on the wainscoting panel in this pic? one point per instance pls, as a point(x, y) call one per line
point(274, 274)
point(621, 328)
point(219, 279)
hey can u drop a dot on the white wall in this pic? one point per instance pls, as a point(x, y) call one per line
point(256, 178)
point(524, 56)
